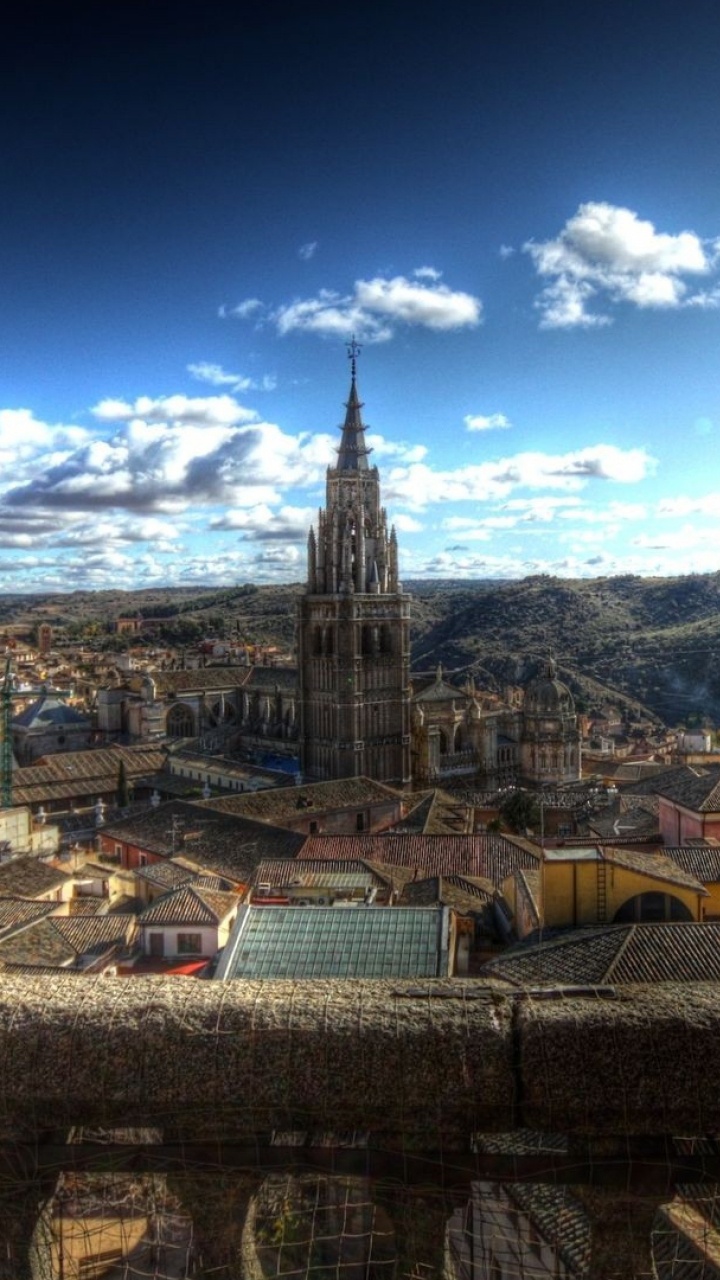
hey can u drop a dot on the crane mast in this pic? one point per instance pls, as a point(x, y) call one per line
point(6, 737)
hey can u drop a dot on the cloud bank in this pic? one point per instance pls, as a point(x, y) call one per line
point(606, 255)
point(374, 309)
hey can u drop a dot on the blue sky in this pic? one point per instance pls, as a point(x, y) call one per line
point(516, 208)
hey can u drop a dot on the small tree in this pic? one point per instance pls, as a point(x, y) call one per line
point(521, 810)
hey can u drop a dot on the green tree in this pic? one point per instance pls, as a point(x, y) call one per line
point(521, 810)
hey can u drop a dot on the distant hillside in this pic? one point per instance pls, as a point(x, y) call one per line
point(653, 642)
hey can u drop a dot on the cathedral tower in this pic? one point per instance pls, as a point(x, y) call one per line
point(354, 620)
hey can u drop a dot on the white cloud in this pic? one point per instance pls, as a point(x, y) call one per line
point(417, 485)
point(483, 422)
point(685, 539)
point(241, 310)
point(261, 524)
point(308, 251)
point(376, 307)
point(164, 454)
point(27, 443)
point(707, 505)
point(606, 252)
point(542, 508)
point(407, 524)
point(219, 377)
point(506, 251)
point(395, 448)
point(195, 410)
point(613, 513)
point(434, 307)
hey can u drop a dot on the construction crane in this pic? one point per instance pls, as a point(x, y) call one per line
point(6, 757)
point(7, 694)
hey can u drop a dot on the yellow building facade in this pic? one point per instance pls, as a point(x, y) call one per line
point(593, 885)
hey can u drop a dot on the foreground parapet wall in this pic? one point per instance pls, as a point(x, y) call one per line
point(428, 1063)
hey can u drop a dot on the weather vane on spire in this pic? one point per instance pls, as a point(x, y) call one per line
point(353, 349)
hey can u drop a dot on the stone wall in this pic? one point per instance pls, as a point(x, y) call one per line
point(421, 1063)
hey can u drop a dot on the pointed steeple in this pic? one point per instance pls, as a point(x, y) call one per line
point(353, 452)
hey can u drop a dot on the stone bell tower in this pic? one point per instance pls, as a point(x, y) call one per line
point(353, 625)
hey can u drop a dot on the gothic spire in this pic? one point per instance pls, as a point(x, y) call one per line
point(353, 452)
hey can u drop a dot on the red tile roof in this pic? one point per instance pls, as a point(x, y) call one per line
point(492, 857)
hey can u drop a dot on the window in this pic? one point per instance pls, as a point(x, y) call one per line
point(360, 822)
point(189, 944)
point(157, 944)
point(313, 828)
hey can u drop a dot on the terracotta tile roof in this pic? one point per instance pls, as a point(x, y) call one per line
point(96, 933)
point(561, 1220)
point(615, 954)
point(165, 875)
point(40, 944)
point(649, 783)
point(692, 786)
point(416, 818)
point(16, 913)
point(36, 970)
point(190, 905)
point(452, 891)
point(202, 680)
point(684, 1242)
point(63, 940)
point(285, 678)
point(27, 877)
point(636, 823)
point(479, 886)
point(700, 861)
point(278, 804)
point(212, 882)
point(223, 843)
point(654, 864)
point(492, 857)
point(82, 773)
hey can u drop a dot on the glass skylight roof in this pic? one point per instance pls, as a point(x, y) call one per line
point(332, 942)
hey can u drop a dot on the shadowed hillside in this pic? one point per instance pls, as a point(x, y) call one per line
point(656, 641)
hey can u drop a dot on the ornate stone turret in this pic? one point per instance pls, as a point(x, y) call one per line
point(353, 642)
point(550, 749)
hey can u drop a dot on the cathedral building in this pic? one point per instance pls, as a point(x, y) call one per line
point(359, 711)
point(354, 626)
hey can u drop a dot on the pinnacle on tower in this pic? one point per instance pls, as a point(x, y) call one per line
point(353, 452)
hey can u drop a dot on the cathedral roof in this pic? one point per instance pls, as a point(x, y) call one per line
point(546, 695)
point(353, 452)
point(438, 691)
point(49, 713)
